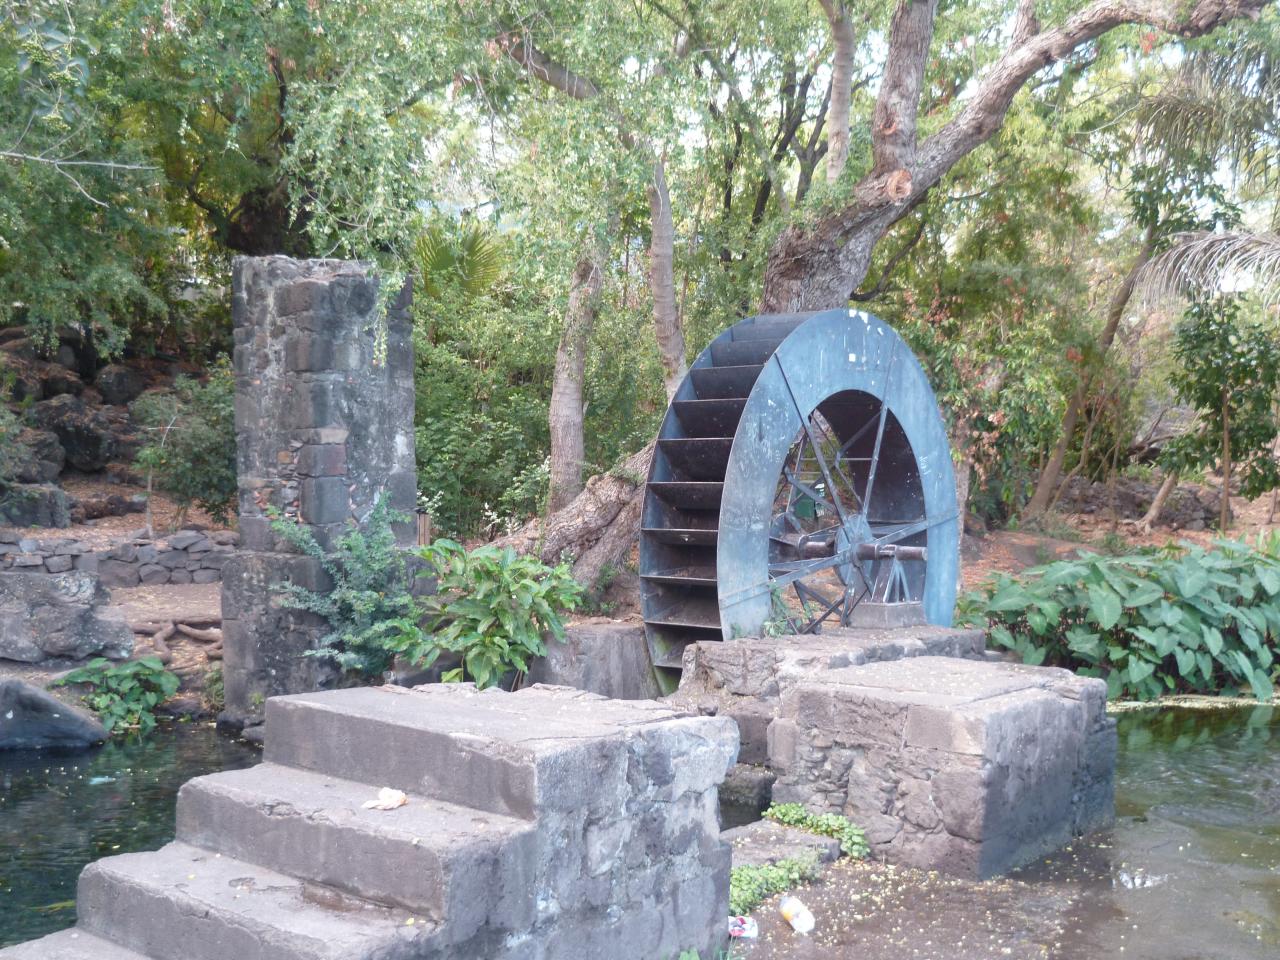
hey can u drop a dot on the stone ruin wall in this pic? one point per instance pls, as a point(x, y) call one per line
point(324, 427)
point(187, 556)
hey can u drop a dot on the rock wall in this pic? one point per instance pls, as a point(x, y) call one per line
point(188, 556)
point(324, 428)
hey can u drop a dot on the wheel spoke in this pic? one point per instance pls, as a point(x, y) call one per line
point(913, 528)
point(884, 417)
point(808, 430)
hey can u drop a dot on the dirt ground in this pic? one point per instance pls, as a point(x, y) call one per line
point(1010, 551)
point(107, 530)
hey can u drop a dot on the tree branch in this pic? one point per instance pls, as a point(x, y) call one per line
point(893, 124)
point(520, 49)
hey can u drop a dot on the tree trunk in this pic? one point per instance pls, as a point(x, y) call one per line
point(598, 528)
point(1167, 486)
point(662, 282)
point(841, 87)
point(1048, 481)
point(565, 410)
point(1225, 517)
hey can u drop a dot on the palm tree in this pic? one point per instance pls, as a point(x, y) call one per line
point(468, 255)
point(1222, 102)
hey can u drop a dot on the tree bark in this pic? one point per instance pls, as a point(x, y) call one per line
point(815, 263)
point(841, 87)
point(1224, 519)
point(1167, 486)
point(662, 282)
point(598, 528)
point(1048, 481)
point(565, 412)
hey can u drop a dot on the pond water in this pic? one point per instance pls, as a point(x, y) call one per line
point(60, 811)
point(1192, 867)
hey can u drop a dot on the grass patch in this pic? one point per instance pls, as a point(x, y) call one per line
point(853, 841)
point(750, 886)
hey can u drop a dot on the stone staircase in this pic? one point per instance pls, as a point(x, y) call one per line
point(543, 824)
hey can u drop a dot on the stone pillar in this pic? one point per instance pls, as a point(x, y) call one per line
point(324, 427)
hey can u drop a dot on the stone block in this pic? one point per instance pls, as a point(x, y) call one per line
point(152, 573)
point(963, 766)
point(59, 563)
point(611, 659)
point(205, 575)
point(118, 573)
point(180, 575)
point(325, 500)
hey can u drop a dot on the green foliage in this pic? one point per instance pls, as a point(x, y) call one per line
point(492, 608)
point(192, 453)
point(125, 695)
point(1182, 619)
point(853, 842)
point(750, 886)
point(1228, 370)
point(370, 601)
point(215, 690)
point(468, 257)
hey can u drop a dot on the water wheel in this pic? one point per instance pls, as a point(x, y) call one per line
point(802, 478)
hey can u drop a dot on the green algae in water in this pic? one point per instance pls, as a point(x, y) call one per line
point(59, 811)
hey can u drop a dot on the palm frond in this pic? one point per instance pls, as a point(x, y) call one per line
point(1221, 104)
point(1205, 264)
point(470, 256)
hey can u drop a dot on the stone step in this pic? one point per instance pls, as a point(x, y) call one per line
point(506, 753)
point(434, 858)
point(184, 903)
point(73, 944)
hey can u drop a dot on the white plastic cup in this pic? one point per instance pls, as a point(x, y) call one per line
point(796, 914)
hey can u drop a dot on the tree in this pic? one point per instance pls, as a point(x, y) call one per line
point(817, 261)
point(1167, 196)
point(1228, 370)
point(822, 253)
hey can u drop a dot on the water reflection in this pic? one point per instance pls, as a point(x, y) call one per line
point(60, 811)
point(1192, 868)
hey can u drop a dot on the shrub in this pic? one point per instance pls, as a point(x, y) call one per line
point(125, 695)
point(1180, 619)
point(192, 453)
point(493, 607)
point(371, 590)
point(853, 842)
point(750, 886)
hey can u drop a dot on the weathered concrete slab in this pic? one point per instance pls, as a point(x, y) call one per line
point(436, 859)
point(185, 903)
point(968, 767)
point(611, 659)
point(765, 842)
point(73, 944)
point(591, 826)
point(745, 678)
point(509, 754)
